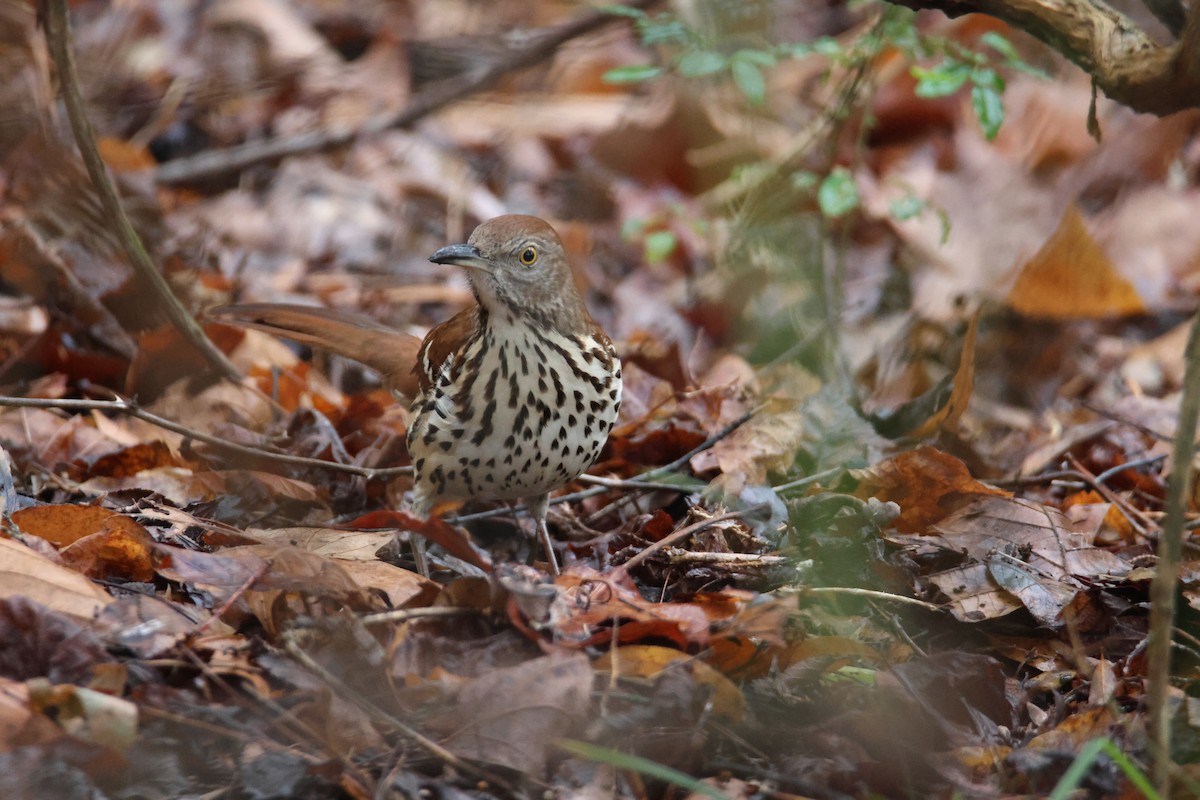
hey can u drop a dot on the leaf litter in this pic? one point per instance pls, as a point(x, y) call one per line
point(752, 575)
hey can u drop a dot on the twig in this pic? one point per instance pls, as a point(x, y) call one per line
point(681, 534)
point(871, 593)
point(808, 481)
point(405, 614)
point(537, 49)
point(122, 406)
point(635, 483)
point(1131, 514)
point(678, 555)
point(1128, 465)
point(58, 39)
point(1166, 571)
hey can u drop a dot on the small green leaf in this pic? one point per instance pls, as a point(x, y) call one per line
point(632, 73)
point(827, 46)
point(860, 675)
point(804, 180)
point(987, 78)
point(906, 207)
point(698, 63)
point(764, 58)
point(664, 29)
point(1000, 45)
point(988, 106)
point(944, 79)
point(749, 78)
point(838, 195)
point(659, 245)
point(605, 755)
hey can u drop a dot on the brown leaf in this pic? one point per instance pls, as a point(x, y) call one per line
point(1072, 278)
point(926, 483)
point(513, 716)
point(591, 608)
point(1032, 553)
point(40, 642)
point(24, 573)
point(98, 542)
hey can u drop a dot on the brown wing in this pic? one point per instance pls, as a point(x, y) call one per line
point(444, 341)
point(392, 353)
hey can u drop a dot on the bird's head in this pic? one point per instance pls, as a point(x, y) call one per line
point(517, 267)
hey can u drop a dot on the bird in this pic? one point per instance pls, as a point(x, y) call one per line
point(512, 398)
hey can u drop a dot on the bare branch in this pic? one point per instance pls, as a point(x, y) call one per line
point(537, 49)
point(126, 407)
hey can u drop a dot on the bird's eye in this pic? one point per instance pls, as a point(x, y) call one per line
point(528, 256)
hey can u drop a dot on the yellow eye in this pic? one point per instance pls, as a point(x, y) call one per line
point(528, 256)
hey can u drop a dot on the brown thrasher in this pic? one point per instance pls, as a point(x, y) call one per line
point(511, 398)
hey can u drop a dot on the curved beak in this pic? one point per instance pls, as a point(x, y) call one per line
point(461, 255)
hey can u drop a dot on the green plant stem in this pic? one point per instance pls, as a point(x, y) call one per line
point(1166, 572)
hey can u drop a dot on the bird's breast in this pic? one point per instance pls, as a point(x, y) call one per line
point(515, 413)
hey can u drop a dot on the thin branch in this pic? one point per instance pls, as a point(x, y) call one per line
point(406, 614)
point(1166, 571)
point(121, 406)
point(538, 48)
point(870, 593)
point(677, 555)
point(58, 38)
point(670, 539)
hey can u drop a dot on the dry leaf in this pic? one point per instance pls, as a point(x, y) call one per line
point(1072, 278)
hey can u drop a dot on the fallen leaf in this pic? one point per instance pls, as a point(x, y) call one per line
point(513, 716)
point(1072, 278)
point(24, 573)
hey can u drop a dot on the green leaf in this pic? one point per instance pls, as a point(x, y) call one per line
point(827, 46)
point(764, 58)
point(1000, 45)
point(906, 207)
point(944, 225)
point(632, 73)
point(988, 106)
point(1072, 779)
point(749, 78)
point(605, 755)
point(804, 180)
point(987, 78)
point(838, 195)
point(664, 29)
point(944, 79)
point(697, 63)
point(659, 245)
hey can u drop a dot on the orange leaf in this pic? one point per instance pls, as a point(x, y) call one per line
point(1072, 278)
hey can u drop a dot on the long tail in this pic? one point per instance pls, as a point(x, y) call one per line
point(392, 353)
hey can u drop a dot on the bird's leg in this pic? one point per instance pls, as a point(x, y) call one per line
point(421, 564)
point(419, 507)
point(537, 509)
